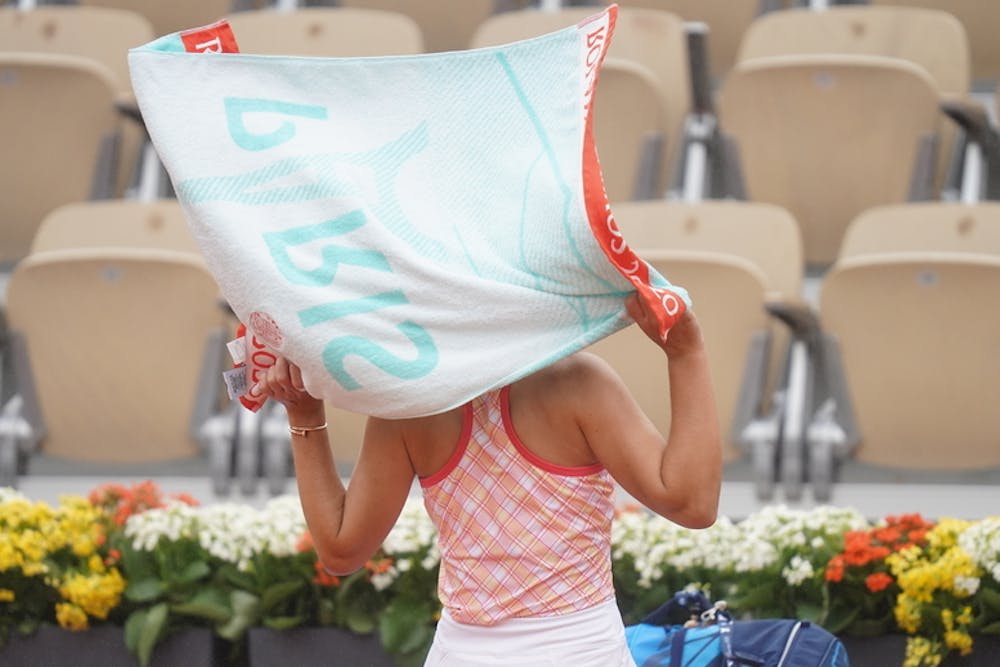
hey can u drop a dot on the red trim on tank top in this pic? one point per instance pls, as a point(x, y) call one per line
point(535, 459)
point(456, 456)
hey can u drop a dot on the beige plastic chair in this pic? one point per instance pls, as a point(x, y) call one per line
point(827, 137)
point(629, 131)
point(115, 340)
point(56, 118)
point(932, 39)
point(729, 294)
point(116, 223)
point(727, 20)
point(100, 33)
point(769, 238)
point(326, 31)
point(652, 38)
point(168, 17)
point(980, 20)
point(446, 25)
point(918, 343)
point(926, 226)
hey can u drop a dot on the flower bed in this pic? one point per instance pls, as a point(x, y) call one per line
point(152, 565)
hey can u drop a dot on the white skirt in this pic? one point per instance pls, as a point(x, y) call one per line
point(593, 637)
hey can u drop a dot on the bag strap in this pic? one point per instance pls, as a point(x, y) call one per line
point(695, 602)
point(677, 647)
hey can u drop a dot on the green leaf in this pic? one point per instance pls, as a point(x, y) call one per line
point(284, 622)
point(145, 590)
point(209, 603)
point(360, 621)
point(245, 614)
point(278, 593)
point(404, 626)
point(991, 601)
point(152, 630)
point(809, 612)
point(133, 627)
point(195, 571)
point(839, 620)
point(991, 629)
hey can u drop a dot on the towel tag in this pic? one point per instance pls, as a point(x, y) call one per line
point(237, 350)
point(215, 38)
point(236, 382)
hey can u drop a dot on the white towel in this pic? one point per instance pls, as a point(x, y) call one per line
point(410, 230)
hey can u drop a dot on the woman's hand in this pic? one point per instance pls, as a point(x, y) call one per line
point(684, 337)
point(283, 383)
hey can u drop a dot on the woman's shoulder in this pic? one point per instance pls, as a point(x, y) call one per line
point(574, 376)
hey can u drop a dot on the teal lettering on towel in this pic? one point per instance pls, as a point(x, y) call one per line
point(339, 348)
point(408, 369)
point(333, 255)
point(238, 107)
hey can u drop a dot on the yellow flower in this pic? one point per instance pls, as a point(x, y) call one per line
point(921, 652)
point(6, 595)
point(70, 616)
point(959, 641)
point(96, 594)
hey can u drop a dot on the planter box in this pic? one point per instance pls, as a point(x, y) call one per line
point(104, 646)
point(889, 650)
point(314, 647)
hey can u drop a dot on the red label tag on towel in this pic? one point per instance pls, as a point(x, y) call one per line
point(258, 359)
point(215, 38)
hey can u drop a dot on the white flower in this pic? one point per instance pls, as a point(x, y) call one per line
point(967, 585)
point(798, 570)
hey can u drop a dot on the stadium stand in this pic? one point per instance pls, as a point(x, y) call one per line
point(105, 372)
point(167, 17)
point(829, 136)
point(927, 226)
point(113, 223)
point(326, 31)
point(446, 25)
point(59, 130)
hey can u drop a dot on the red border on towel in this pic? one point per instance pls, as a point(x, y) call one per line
point(217, 37)
point(667, 305)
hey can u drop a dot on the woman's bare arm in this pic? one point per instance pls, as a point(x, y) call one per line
point(347, 524)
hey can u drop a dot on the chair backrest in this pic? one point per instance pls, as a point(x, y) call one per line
point(919, 347)
point(980, 20)
point(168, 17)
point(934, 40)
point(100, 33)
point(827, 137)
point(326, 31)
point(655, 39)
point(925, 226)
point(120, 223)
point(727, 20)
point(115, 340)
point(446, 25)
point(56, 112)
point(764, 234)
point(729, 294)
point(628, 128)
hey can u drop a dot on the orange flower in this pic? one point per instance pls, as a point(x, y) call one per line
point(835, 569)
point(380, 566)
point(878, 581)
point(305, 543)
point(324, 578)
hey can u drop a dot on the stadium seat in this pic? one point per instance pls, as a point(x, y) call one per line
point(925, 226)
point(827, 137)
point(326, 31)
point(654, 39)
point(726, 20)
point(729, 294)
point(931, 39)
point(119, 355)
point(980, 20)
point(116, 223)
point(768, 237)
point(168, 17)
point(918, 348)
point(58, 130)
point(446, 25)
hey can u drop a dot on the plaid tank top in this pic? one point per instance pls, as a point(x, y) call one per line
point(519, 536)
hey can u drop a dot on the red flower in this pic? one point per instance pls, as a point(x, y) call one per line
point(835, 569)
point(324, 578)
point(878, 581)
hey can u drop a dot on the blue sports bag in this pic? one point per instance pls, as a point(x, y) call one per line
point(716, 640)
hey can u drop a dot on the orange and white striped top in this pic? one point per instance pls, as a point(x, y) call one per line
point(519, 536)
